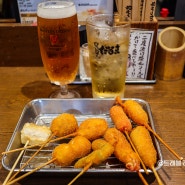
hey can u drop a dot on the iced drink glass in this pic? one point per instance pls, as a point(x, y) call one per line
point(108, 44)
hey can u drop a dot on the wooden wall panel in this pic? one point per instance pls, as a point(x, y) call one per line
point(19, 45)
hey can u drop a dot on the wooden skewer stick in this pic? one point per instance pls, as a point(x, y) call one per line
point(142, 163)
point(27, 162)
point(64, 137)
point(142, 178)
point(19, 149)
point(13, 167)
point(81, 173)
point(164, 143)
point(157, 176)
point(32, 146)
point(29, 173)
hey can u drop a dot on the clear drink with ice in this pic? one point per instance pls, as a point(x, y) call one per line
point(108, 52)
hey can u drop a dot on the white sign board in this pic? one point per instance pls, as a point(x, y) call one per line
point(139, 53)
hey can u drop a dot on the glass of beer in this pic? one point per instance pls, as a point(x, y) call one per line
point(108, 43)
point(59, 43)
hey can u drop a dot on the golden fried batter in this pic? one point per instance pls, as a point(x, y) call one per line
point(97, 156)
point(65, 153)
point(120, 119)
point(64, 124)
point(135, 112)
point(122, 149)
point(98, 144)
point(92, 128)
point(79, 146)
point(142, 140)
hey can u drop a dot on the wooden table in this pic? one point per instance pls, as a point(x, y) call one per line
point(19, 85)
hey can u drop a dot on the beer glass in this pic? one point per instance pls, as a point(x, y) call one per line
point(59, 43)
point(108, 45)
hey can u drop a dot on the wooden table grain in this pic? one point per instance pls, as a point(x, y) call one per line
point(19, 85)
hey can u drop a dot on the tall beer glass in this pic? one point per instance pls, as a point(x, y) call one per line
point(59, 43)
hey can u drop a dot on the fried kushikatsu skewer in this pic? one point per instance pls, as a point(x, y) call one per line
point(88, 129)
point(140, 117)
point(102, 150)
point(31, 134)
point(120, 119)
point(123, 151)
point(64, 124)
point(64, 129)
point(92, 128)
point(144, 145)
point(64, 154)
point(36, 134)
point(123, 124)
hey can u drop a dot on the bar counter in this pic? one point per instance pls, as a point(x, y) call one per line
point(19, 85)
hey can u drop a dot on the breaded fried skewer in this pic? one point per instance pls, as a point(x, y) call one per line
point(88, 129)
point(123, 151)
point(123, 124)
point(142, 140)
point(64, 154)
point(140, 117)
point(120, 119)
point(42, 134)
point(102, 150)
point(31, 134)
point(64, 124)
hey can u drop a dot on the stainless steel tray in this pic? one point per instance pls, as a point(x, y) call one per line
point(42, 111)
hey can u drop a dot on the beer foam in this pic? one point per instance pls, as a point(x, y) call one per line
point(56, 10)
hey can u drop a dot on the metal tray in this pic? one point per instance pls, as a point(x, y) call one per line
point(42, 111)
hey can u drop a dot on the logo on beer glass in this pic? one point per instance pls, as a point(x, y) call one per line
point(104, 50)
point(53, 39)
